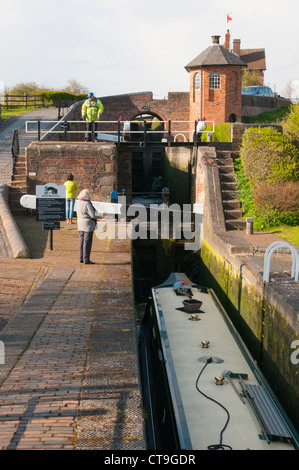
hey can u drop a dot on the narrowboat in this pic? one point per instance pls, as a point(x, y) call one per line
point(202, 388)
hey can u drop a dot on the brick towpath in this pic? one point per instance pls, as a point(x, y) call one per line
point(70, 377)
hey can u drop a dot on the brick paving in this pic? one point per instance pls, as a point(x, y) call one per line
point(72, 382)
point(75, 384)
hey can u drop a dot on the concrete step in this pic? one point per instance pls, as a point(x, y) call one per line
point(227, 177)
point(224, 161)
point(225, 169)
point(235, 224)
point(224, 153)
point(231, 204)
point(229, 186)
point(232, 214)
point(228, 195)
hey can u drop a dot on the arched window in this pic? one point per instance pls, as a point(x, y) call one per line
point(197, 81)
point(214, 81)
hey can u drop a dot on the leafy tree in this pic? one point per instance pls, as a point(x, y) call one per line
point(250, 78)
point(270, 156)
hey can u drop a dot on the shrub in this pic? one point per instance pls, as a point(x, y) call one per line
point(222, 133)
point(283, 196)
point(269, 156)
point(291, 124)
point(270, 205)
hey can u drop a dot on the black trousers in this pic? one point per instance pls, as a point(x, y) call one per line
point(85, 243)
point(91, 126)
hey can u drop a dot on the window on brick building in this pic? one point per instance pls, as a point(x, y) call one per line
point(197, 81)
point(214, 81)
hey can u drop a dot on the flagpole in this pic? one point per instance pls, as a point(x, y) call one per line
point(228, 19)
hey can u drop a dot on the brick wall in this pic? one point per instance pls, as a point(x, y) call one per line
point(94, 166)
point(217, 105)
point(175, 106)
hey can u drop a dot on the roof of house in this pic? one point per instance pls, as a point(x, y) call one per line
point(254, 58)
point(216, 55)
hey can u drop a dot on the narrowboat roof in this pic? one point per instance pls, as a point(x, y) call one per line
point(242, 404)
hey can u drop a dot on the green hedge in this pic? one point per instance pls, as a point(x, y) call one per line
point(63, 96)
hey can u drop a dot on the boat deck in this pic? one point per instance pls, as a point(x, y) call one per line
point(207, 407)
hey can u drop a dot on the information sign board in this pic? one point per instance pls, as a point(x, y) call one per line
point(50, 203)
point(51, 225)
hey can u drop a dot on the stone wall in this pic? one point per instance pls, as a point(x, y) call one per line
point(254, 105)
point(267, 322)
point(177, 173)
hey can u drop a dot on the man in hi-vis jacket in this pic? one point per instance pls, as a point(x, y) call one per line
point(92, 109)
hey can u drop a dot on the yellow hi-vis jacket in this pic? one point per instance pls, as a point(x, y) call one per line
point(91, 110)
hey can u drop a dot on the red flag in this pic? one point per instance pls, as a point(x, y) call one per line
point(228, 18)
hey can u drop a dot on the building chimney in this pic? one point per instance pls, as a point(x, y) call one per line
point(227, 40)
point(236, 46)
point(215, 39)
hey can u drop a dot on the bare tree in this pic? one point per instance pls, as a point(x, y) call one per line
point(75, 87)
point(290, 89)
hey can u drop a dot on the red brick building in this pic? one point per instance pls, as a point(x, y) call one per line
point(215, 85)
point(254, 58)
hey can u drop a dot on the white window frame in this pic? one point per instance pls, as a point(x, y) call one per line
point(214, 81)
point(197, 81)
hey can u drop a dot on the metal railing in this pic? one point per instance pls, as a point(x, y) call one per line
point(127, 131)
point(267, 260)
point(15, 146)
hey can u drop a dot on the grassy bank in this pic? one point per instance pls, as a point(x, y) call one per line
point(11, 112)
point(289, 234)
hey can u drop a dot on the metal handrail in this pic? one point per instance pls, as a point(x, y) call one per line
point(15, 146)
point(121, 131)
point(271, 249)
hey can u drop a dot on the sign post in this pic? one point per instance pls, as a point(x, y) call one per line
point(50, 207)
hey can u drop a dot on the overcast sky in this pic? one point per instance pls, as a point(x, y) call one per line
point(124, 46)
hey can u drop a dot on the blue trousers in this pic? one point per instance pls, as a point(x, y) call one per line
point(85, 243)
point(70, 202)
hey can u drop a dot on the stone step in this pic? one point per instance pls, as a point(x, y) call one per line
point(229, 186)
point(19, 183)
point(233, 214)
point(19, 177)
point(19, 171)
point(224, 161)
point(231, 204)
point(228, 195)
point(227, 177)
point(223, 153)
point(20, 159)
point(235, 224)
point(225, 169)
